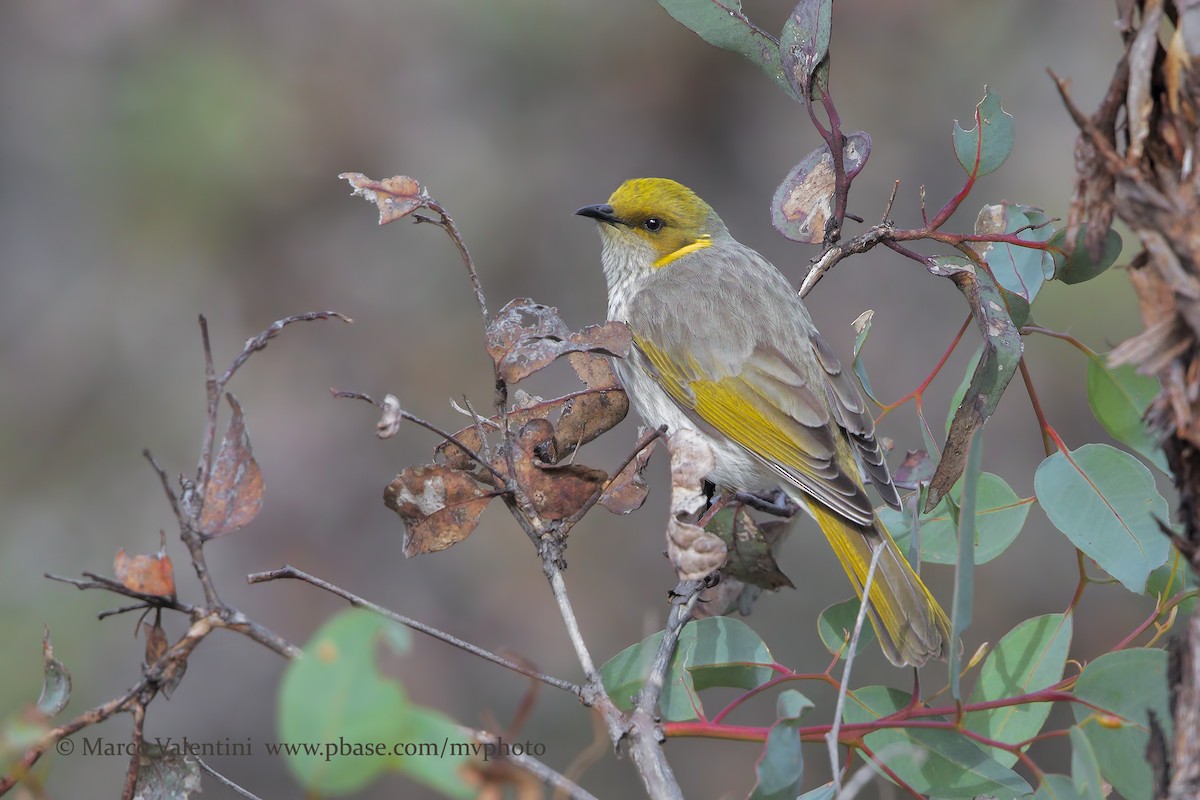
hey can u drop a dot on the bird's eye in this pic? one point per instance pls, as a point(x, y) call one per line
point(654, 224)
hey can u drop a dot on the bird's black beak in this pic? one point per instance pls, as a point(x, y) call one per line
point(600, 213)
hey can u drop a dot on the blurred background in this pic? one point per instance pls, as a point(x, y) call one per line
point(165, 159)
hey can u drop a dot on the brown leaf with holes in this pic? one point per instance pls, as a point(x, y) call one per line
point(147, 574)
point(395, 197)
point(587, 416)
point(527, 336)
point(234, 494)
point(556, 490)
point(440, 506)
point(628, 490)
point(693, 551)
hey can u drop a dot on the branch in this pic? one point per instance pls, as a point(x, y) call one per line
point(286, 572)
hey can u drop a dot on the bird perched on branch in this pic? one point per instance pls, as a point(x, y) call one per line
point(725, 346)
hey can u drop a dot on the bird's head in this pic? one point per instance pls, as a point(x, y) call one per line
point(654, 221)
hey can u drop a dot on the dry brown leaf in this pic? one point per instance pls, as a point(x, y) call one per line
point(556, 490)
point(148, 574)
point(234, 494)
point(156, 641)
point(628, 490)
point(395, 197)
point(440, 506)
point(587, 416)
point(693, 551)
point(527, 336)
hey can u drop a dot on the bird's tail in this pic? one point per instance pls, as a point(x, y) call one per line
point(911, 626)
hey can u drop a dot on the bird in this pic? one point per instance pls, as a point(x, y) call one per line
point(723, 345)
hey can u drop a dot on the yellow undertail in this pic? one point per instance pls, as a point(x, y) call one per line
point(911, 626)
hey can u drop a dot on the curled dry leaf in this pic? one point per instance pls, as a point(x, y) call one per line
point(803, 203)
point(581, 416)
point(156, 641)
point(628, 490)
point(395, 197)
point(752, 547)
point(693, 551)
point(234, 494)
point(148, 574)
point(389, 421)
point(527, 336)
point(440, 506)
point(556, 490)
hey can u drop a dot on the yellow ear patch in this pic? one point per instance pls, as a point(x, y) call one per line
point(701, 243)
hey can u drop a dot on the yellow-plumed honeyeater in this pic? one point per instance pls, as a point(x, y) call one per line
point(723, 345)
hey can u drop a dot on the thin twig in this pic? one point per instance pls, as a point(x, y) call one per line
point(831, 738)
point(681, 612)
point(429, 426)
point(288, 571)
point(549, 777)
point(138, 711)
point(645, 441)
point(447, 224)
point(222, 779)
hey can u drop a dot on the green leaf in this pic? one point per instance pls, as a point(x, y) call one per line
point(335, 694)
point(1085, 769)
point(1077, 265)
point(953, 767)
point(56, 681)
point(804, 47)
point(1019, 270)
point(722, 24)
point(1170, 579)
point(1118, 397)
point(999, 517)
point(987, 145)
point(964, 571)
point(862, 329)
point(443, 773)
point(822, 792)
point(781, 765)
point(1129, 683)
point(18, 733)
point(836, 623)
point(1057, 787)
point(718, 651)
point(1030, 657)
point(1106, 503)
point(1002, 349)
point(803, 203)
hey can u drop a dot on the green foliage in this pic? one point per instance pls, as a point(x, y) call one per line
point(1119, 397)
point(1106, 503)
point(718, 651)
point(941, 762)
point(999, 516)
point(836, 623)
point(336, 696)
point(723, 24)
point(1130, 684)
point(1078, 265)
point(1030, 657)
point(781, 765)
point(989, 143)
